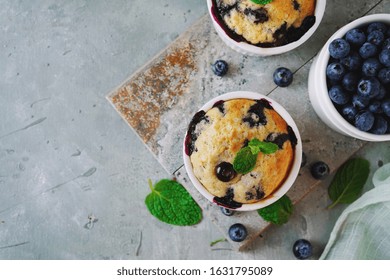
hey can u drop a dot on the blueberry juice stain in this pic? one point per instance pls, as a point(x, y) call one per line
point(220, 105)
point(255, 115)
point(227, 201)
point(191, 135)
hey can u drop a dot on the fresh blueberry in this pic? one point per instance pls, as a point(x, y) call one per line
point(377, 26)
point(220, 67)
point(386, 44)
point(339, 48)
point(382, 93)
point(352, 62)
point(350, 81)
point(375, 107)
point(371, 67)
point(338, 95)
point(283, 77)
point(238, 232)
point(227, 211)
point(384, 75)
point(332, 83)
point(355, 37)
point(225, 171)
point(368, 50)
point(376, 37)
point(359, 101)
point(319, 170)
point(302, 249)
point(335, 71)
point(349, 112)
point(384, 57)
point(386, 107)
point(364, 120)
point(369, 87)
point(380, 126)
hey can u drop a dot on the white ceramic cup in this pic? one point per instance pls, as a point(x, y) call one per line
point(248, 49)
point(318, 90)
point(287, 184)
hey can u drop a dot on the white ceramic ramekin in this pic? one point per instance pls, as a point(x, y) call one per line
point(318, 90)
point(297, 157)
point(248, 49)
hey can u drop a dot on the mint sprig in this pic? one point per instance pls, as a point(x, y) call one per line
point(245, 160)
point(348, 182)
point(279, 212)
point(170, 202)
point(258, 146)
point(261, 2)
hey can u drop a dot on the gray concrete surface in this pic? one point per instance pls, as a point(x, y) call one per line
point(73, 176)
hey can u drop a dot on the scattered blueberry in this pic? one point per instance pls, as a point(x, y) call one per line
point(359, 101)
point(319, 170)
point(352, 62)
point(384, 57)
point(349, 112)
point(355, 37)
point(227, 211)
point(386, 107)
point(380, 126)
point(339, 48)
point(350, 81)
point(220, 67)
point(364, 120)
point(283, 77)
point(338, 95)
point(377, 26)
point(335, 71)
point(371, 67)
point(368, 50)
point(302, 249)
point(384, 75)
point(375, 107)
point(369, 87)
point(376, 37)
point(238, 232)
point(225, 171)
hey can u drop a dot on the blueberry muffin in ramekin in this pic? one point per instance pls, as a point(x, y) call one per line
point(214, 138)
point(274, 24)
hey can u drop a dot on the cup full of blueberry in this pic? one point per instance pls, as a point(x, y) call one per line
point(349, 80)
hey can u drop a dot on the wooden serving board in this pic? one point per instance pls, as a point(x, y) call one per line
point(159, 100)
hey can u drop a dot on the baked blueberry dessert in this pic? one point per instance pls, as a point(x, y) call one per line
point(276, 23)
point(214, 138)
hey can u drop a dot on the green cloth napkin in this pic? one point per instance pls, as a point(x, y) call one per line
point(362, 231)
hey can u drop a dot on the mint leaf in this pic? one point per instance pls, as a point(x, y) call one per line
point(278, 212)
point(244, 161)
point(262, 2)
point(171, 203)
point(257, 146)
point(349, 181)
